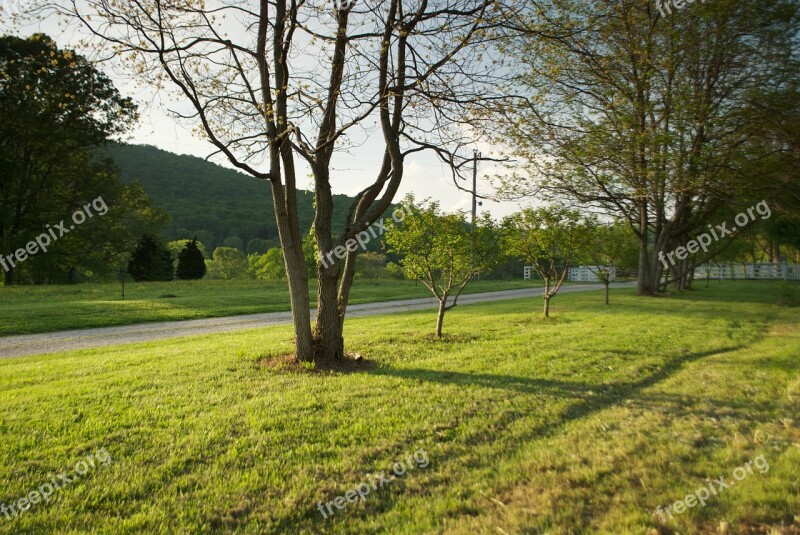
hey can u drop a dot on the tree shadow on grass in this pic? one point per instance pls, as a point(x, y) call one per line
point(593, 397)
point(588, 398)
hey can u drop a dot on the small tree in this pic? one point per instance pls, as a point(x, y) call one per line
point(610, 246)
point(191, 262)
point(441, 251)
point(150, 262)
point(549, 239)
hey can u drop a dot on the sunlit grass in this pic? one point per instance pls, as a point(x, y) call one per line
point(581, 424)
point(33, 309)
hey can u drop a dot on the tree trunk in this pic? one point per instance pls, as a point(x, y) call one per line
point(297, 279)
point(649, 269)
point(291, 244)
point(546, 296)
point(9, 277)
point(607, 284)
point(440, 317)
point(327, 333)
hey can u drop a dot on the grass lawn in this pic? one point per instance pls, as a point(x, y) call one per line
point(581, 424)
point(34, 309)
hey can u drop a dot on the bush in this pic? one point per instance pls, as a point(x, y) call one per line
point(228, 263)
point(268, 266)
point(150, 262)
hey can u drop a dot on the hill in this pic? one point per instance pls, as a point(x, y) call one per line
point(220, 206)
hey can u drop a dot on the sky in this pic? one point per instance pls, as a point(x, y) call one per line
point(424, 175)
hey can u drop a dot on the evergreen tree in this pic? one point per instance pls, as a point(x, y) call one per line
point(150, 262)
point(191, 262)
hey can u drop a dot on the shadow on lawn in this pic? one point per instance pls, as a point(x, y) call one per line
point(593, 397)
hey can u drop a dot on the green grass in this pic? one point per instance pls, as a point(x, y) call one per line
point(35, 309)
point(581, 424)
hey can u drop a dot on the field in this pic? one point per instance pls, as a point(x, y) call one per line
point(585, 423)
point(34, 309)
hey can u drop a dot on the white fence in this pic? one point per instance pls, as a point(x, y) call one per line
point(589, 273)
point(577, 274)
point(770, 271)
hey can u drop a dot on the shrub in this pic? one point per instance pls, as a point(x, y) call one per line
point(150, 262)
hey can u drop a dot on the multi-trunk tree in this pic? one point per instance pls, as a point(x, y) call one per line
point(269, 82)
point(648, 118)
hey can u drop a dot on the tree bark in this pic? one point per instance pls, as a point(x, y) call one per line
point(644, 284)
point(440, 317)
point(296, 276)
point(607, 284)
point(546, 297)
point(327, 333)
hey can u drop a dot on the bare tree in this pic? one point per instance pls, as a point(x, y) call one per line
point(268, 81)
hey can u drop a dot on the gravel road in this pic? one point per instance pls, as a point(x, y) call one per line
point(38, 344)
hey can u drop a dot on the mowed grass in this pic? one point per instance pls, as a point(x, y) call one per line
point(581, 424)
point(35, 309)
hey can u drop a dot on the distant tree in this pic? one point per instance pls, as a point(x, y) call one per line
point(191, 262)
point(441, 251)
point(234, 242)
point(610, 246)
point(371, 265)
point(257, 246)
point(394, 271)
point(549, 239)
point(227, 263)
point(207, 238)
point(175, 247)
point(150, 262)
point(269, 266)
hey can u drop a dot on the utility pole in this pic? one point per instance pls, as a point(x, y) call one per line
point(475, 156)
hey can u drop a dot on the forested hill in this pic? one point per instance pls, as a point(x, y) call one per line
point(218, 205)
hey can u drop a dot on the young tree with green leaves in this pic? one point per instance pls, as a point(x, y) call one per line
point(441, 250)
point(610, 246)
point(549, 239)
